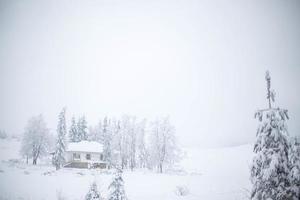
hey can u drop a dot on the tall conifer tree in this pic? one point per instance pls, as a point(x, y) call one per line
point(58, 158)
point(270, 168)
point(73, 132)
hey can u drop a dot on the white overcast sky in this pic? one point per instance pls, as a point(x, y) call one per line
point(200, 62)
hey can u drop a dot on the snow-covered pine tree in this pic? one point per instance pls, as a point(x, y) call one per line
point(270, 168)
point(95, 133)
point(58, 158)
point(73, 132)
point(82, 128)
point(99, 130)
point(116, 188)
point(92, 133)
point(294, 156)
point(93, 193)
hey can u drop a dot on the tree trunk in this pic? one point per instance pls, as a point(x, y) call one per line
point(160, 168)
point(34, 161)
point(35, 157)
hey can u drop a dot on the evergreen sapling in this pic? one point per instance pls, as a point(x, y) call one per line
point(116, 188)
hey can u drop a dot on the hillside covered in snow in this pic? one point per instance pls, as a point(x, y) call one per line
point(204, 174)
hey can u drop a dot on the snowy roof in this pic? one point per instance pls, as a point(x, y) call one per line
point(85, 146)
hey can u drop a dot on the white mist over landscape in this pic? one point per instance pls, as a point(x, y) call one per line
point(144, 100)
point(200, 62)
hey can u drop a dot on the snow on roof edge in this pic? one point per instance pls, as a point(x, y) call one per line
point(85, 146)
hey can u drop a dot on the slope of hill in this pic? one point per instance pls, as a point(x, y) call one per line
point(211, 174)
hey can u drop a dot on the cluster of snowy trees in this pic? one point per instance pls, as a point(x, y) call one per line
point(78, 130)
point(132, 143)
point(116, 189)
point(128, 142)
point(275, 172)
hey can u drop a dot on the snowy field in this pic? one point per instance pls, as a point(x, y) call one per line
point(210, 174)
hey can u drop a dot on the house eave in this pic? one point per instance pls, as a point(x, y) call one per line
point(82, 152)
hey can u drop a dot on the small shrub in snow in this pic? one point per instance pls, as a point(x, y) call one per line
point(14, 161)
point(181, 190)
point(60, 196)
point(80, 173)
point(48, 173)
point(93, 193)
point(26, 172)
point(3, 135)
point(16, 137)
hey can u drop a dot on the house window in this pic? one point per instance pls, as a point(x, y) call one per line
point(101, 156)
point(76, 156)
point(88, 156)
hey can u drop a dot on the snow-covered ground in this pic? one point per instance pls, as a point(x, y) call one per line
point(210, 174)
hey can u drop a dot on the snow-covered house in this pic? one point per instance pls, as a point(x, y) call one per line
point(85, 154)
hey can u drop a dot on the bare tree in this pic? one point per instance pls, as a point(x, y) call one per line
point(142, 153)
point(163, 147)
point(36, 139)
point(124, 141)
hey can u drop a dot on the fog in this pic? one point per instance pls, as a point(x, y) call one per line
point(200, 62)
